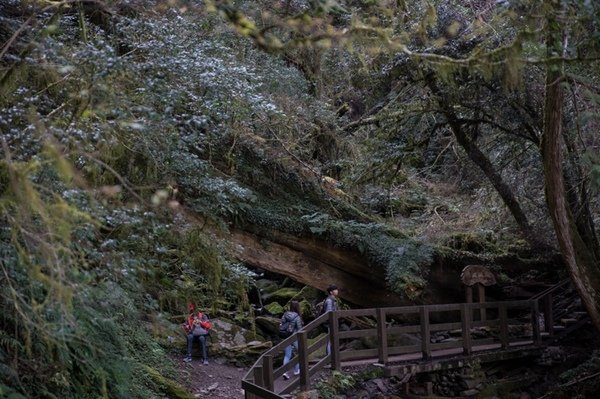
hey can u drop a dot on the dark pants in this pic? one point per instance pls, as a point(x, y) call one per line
point(190, 344)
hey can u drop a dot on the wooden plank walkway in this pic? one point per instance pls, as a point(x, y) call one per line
point(436, 354)
point(442, 359)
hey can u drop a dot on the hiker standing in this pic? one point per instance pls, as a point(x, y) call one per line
point(330, 305)
point(197, 326)
point(293, 318)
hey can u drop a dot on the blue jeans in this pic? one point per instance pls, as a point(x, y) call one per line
point(190, 344)
point(287, 356)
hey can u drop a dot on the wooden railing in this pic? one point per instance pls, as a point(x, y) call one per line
point(472, 326)
point(549, 306)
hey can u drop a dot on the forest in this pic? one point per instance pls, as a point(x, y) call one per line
point(242, 154)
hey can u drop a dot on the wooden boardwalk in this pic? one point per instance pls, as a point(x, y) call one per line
point(408, 340)
point(442, 359)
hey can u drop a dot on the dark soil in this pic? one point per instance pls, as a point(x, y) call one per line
point(217, 380)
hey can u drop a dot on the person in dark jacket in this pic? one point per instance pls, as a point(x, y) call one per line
point(330, 305)
point(196, 326)
point(292, 316)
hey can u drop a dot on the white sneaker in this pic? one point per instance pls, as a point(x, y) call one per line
point(286, 376)
point(297, 372)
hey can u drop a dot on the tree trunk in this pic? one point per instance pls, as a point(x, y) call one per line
point(579, 258)
point(505, 192)
point(482, 161)
point(578, 195)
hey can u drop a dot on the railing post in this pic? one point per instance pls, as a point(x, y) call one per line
point(250, 395)
point(267, 371)
point(425, 332)
point(258, 376)
point(548, 316)
point(466, 316)
point(334, 330)
point(535, 323)
point(303, 360)
point(468, 294)
point(481, 295)
point(503, 325)
point(382, 336)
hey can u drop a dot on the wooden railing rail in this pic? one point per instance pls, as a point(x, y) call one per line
point(550, 290)
point(411, 331)
point(546, 300)
point(262, 375)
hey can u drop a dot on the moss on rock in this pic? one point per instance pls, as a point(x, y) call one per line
point(283, 295)
point(274, 308)
point(171, 387)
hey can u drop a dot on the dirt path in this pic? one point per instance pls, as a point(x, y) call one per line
point(217, 380)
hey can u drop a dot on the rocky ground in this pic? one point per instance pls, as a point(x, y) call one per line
point(217, 380)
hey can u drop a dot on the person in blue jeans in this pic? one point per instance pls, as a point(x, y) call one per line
point(197, 326)
point(330, 305)
point(292, 316)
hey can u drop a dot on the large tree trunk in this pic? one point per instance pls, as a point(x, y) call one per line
point(505, 192)
point(580, 260)
point(578, 195)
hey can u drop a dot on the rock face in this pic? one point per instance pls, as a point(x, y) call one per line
point(317, 264)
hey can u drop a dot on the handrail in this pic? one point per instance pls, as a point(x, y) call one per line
point(551, 290)
point(546, 298)
point(250, 383)
point(259, 382)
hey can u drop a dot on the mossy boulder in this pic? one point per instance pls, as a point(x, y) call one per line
point(270, 325)
point(244, 355)
point(274, 308)
point(283, 295)
point(306, 310)
point(173, 388)
point(239, 345)
point(265, 286)
point(311, 294)
point(403, 340)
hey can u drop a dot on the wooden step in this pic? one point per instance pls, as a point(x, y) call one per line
point(568, 321)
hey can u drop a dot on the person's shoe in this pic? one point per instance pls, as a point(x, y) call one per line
point(205, 362)
point(286, 376)
point(187, 359)
point(297, 372)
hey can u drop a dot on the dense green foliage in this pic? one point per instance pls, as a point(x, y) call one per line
point(92, 253)
point(85, 286)
point(110, 127)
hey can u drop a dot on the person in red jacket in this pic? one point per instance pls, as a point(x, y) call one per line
point(197, 326)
